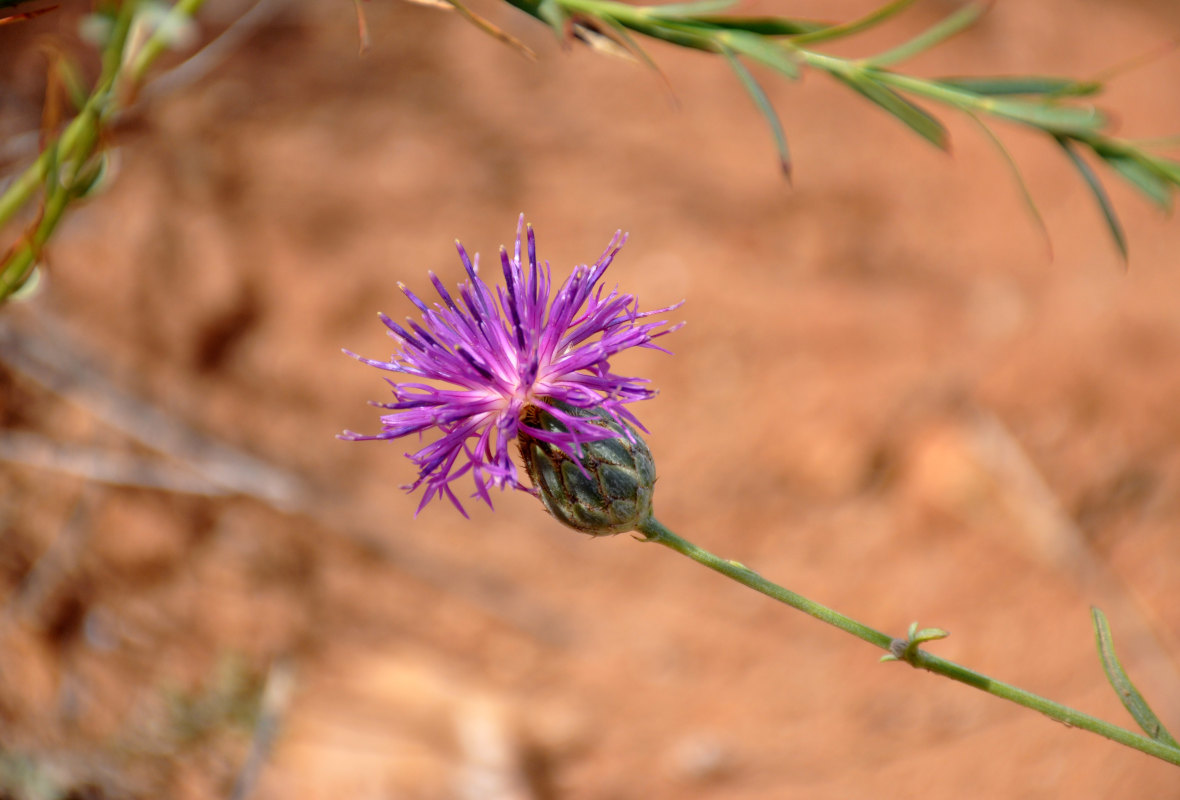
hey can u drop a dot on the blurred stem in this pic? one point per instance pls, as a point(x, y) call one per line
point(904, 650)
point(79, 140)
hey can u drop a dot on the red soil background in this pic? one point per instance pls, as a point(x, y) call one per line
point(888, 397)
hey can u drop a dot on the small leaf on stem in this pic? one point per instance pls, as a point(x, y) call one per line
point(1000, 85)
point(1128, 694)
point(1141, 176)
point(918, 120)
point(1108, 213)
point(761, 49)
point(763, 103)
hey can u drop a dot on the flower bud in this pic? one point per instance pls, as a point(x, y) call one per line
point(607, 490)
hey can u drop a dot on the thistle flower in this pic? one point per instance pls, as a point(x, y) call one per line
point(498, 353)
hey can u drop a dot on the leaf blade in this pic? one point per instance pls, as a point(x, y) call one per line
point(687, 9)
point(1006, 85)
point(1128, 694)
point(1056, 119)
point(764, 106)
point(913, 116)
point(766, 26)
point(763, 50)
point(936, 34)
point(1014, 168)
point(1142, 178)
point(1100, 195)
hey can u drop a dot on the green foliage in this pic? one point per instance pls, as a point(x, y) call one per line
point(1055, 106)
point(72, 162)
point(1128, 694)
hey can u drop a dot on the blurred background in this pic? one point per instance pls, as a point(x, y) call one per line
point(891, 395)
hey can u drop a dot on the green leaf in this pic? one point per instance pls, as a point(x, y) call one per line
point(628, 41)
point(1141, 177)
point(551, 11)
point(999, 85)
point(934, 35)
point(1014, 168)
point(766, 26)
point(915, 117)
point(855, 26)
point(1128, 694)
point(1052, 118)
point(1112, 220)
point(761, 49)
point(686, 9)
point(1166, 168)
point(763, 102)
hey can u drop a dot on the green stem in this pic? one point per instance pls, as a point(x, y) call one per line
point(78, 141)
point(656, 532)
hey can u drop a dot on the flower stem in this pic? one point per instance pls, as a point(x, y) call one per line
point(903, 650)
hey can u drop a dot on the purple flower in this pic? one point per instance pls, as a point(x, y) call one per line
point(490, 354)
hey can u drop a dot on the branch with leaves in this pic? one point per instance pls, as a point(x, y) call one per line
point(73, 159)
point(1058, 107)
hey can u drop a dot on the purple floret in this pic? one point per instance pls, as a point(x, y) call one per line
point(499, 352)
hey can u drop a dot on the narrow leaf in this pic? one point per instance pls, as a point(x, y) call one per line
point(1128, 694)
point(1014, 169)
point(1112, 220)
point(686, 9)
point(1166, 168)
point(1156, 141)
point(915, 117)
point(1000, 85)
point(623, 37)
point(761, 49)
point(932, 36)
point(1049, 117)
point(855, 26)
point(766, 26)
point(551, 12)
point(1141, 177)
point(763, 102)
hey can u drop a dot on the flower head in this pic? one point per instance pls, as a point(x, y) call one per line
point(492, 354)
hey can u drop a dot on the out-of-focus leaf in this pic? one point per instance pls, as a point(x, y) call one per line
point(1104, 204)
point(766, 26)
point(678, 10)
point(1000, 85)
point(763, 103)
point(1014, 168)
point(915, 117)
point(932, 36)
point(1156, 141)
point(1141, 177)
point(623, 37)
point(1166, 168)
point(1128, 694)
point(761, 49)
point(1051, 118)
point(551, 12)
point(855, 26)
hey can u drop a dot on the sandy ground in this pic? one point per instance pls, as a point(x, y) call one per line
point(888, 396)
